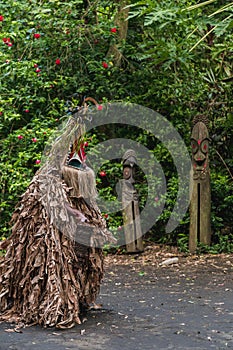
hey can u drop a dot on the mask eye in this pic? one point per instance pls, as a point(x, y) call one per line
point(194, 146)
point(205, 146)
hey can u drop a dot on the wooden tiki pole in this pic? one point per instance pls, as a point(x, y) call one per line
point(131, 214)
point(200, 198)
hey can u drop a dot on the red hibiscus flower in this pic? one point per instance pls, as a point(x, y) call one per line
point(36, 35)
point(102, 173)
point(105, 65)
point(6, 40)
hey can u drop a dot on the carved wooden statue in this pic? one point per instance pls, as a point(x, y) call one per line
point(200, 204)
point(131, 214)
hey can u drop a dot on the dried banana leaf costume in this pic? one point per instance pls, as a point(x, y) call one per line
point(54, 263)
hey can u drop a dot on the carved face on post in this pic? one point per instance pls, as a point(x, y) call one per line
point(127, 172)
point(200, 148)
point(129, 161)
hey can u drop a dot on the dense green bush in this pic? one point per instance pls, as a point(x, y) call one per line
point(53, 53)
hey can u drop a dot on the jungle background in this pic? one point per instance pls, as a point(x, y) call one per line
point(175, 57)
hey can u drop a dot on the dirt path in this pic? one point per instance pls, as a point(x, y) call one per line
point(188, 305)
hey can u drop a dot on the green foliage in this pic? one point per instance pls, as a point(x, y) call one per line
point(176, 59)
point(183, 242)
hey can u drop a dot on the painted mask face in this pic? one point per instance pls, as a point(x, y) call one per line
point(200, 148)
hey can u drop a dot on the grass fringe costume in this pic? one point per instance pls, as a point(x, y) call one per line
point(53, 264)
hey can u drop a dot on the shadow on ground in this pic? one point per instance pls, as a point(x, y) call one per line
point(146, 306)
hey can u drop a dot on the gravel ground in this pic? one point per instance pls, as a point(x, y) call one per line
point(148, 305)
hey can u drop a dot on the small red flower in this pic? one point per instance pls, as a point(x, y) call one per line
point(106, 216)
point(36, 35)
point(35, 65)
point(58, 61)
point(38, 70)
point(38, 161)
point(99, 107)
point(105, 65)
point(113, 30)
point(1, 113)
point(26, 110)
point(20, 137)
point(6, 40)
point(102, 173)
point(9, 44)
point(34, 139)
point(1, 18)
point(85, 144)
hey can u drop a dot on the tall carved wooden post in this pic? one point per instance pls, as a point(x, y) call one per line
point(131, 214)
point(200, 204)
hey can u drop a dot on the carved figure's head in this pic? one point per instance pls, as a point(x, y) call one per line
point(129, 162)
point(200, 148)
